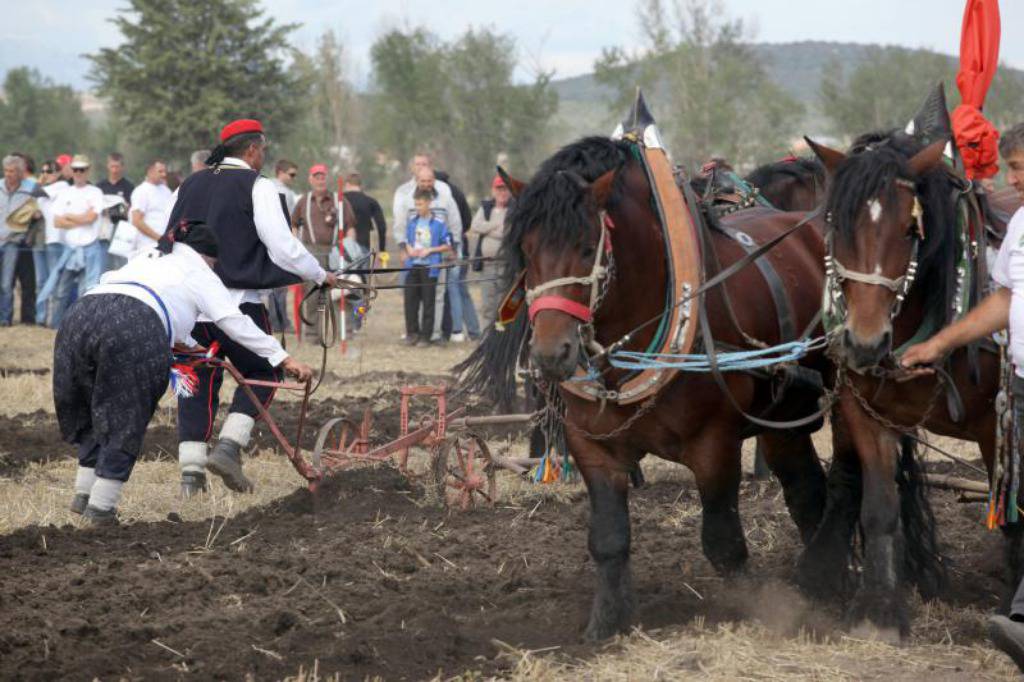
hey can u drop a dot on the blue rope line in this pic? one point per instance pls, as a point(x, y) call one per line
point(732, 361)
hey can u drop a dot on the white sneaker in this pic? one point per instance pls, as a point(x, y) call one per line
point(458, 337)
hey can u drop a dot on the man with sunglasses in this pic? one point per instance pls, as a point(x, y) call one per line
point(77, 212)
point(257, 252)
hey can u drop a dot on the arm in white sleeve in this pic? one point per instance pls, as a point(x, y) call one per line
point(243, 330)
point(284, 249)
point(400, 214)
point(454, 219)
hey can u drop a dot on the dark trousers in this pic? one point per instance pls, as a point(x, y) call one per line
point(197, 414)
point(419, 293)
point(110, 365)
point(25, 274)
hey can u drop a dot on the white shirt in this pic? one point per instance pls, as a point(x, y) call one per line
point(1008, 272)
point(188, 288)
point(54, 235)
point(76, 200)
point(443, 207)
point(154, 202)
point(289, 196)
point(283, 248)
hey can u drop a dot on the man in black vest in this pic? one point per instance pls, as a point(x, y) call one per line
point(258, 251)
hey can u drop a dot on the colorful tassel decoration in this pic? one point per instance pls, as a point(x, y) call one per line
point(184, 381)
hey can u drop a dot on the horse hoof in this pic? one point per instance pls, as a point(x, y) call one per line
point(598, 632)
point(867, 630)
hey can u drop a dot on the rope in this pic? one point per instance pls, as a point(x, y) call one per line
point(733, 361)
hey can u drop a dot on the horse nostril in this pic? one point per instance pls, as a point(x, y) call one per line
point(886, 342)
point(847, 338)
point(566, 349)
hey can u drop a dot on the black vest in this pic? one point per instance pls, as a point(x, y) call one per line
point(222, 198)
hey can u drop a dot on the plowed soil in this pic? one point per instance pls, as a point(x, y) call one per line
point(371, 578)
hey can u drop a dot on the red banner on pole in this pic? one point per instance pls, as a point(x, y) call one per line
point(976, 137)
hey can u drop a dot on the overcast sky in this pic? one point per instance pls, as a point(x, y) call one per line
point(563, 35)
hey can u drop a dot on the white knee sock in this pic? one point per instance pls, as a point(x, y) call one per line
point(105, 494)
point(238, 428)
point(192, 456)
point(84, 479)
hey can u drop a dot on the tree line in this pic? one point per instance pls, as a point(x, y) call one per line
point(184, 68)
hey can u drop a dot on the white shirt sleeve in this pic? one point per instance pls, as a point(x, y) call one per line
point(96, 202)
point(400, 213)
point(140, 199)
point(1014, 234)
point(215, 302)
point(284, 249)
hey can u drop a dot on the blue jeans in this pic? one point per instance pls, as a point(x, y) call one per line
point(8, 262)
point(78, 281)
point(45, 259)
point(461, 304)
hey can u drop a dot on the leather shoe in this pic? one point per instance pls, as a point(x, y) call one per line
point(226, 462)
point(1008, 637)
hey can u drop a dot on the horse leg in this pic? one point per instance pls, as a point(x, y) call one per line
point(823, 569)
point(718, 479)
point(608, 542)
point(879, 609)
point(794, 461)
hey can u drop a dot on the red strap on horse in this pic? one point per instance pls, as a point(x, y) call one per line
point(578, 310)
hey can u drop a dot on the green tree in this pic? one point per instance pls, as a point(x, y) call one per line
point(459, 101)
point(884, 91)
point(186, 68)
point(698, 70)
point(40, 118)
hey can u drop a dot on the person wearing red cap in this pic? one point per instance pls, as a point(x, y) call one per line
point(489, 227)
point(258, 251)
point(316, 222)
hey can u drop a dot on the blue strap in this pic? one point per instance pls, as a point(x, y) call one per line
point(160, 302)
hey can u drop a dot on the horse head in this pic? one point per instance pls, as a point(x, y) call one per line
point(565, 278)
point(877, 232)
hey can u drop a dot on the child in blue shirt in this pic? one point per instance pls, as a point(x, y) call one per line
point(426, 239)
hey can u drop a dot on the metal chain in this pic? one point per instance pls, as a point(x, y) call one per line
point(940, 381)
point(554, 408)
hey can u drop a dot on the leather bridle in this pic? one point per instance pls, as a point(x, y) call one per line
point(538, 301)
point(836, 273)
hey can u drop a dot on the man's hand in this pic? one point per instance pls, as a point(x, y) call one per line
point(299, 370)
point(918, 358)
point(331, 280)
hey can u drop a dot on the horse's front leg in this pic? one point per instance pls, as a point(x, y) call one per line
point(879, 609)
point(607, 483)
point(823, 570)
point(714, 459)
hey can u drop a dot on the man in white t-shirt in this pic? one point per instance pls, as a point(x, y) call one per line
point(1003, 307)
point(77, 211)
point(151, 206)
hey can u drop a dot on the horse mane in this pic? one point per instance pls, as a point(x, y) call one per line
point(802, 169)
point(554, 204)
point(874, 162)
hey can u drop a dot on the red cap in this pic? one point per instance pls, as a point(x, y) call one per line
point(63, 160)
point(497, 182)
point(239, 127)
point(318, 168)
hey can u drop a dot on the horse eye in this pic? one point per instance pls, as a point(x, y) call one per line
point(588, 251)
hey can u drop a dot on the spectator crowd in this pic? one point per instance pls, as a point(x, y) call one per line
point(62, 228)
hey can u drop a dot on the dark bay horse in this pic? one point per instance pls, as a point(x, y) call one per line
point(792, 184)
point(554, 231)
point(892, 202)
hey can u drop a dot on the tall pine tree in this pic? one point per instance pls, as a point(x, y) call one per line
point(186, 68)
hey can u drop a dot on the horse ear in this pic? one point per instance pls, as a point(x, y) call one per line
point(601, 189)
point(927, 158)
point(514, 186)
point(831, 158)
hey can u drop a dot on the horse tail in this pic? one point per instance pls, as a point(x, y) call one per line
point(924, 564)
point(490, 370)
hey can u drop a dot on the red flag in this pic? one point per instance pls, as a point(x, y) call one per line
point(979, 58)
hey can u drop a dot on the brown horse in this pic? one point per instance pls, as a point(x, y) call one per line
point(553, 232)
point(792, 184)
point(893, 211)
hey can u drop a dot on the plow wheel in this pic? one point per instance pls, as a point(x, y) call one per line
point(338, 440)
point(464, 472)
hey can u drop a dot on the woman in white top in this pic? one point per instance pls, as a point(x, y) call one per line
point(112, 357)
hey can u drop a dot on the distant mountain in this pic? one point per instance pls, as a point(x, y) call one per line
point(795, 67)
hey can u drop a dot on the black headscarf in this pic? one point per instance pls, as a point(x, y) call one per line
point(195, 233)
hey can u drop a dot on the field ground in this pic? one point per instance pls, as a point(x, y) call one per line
point(372, 579)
